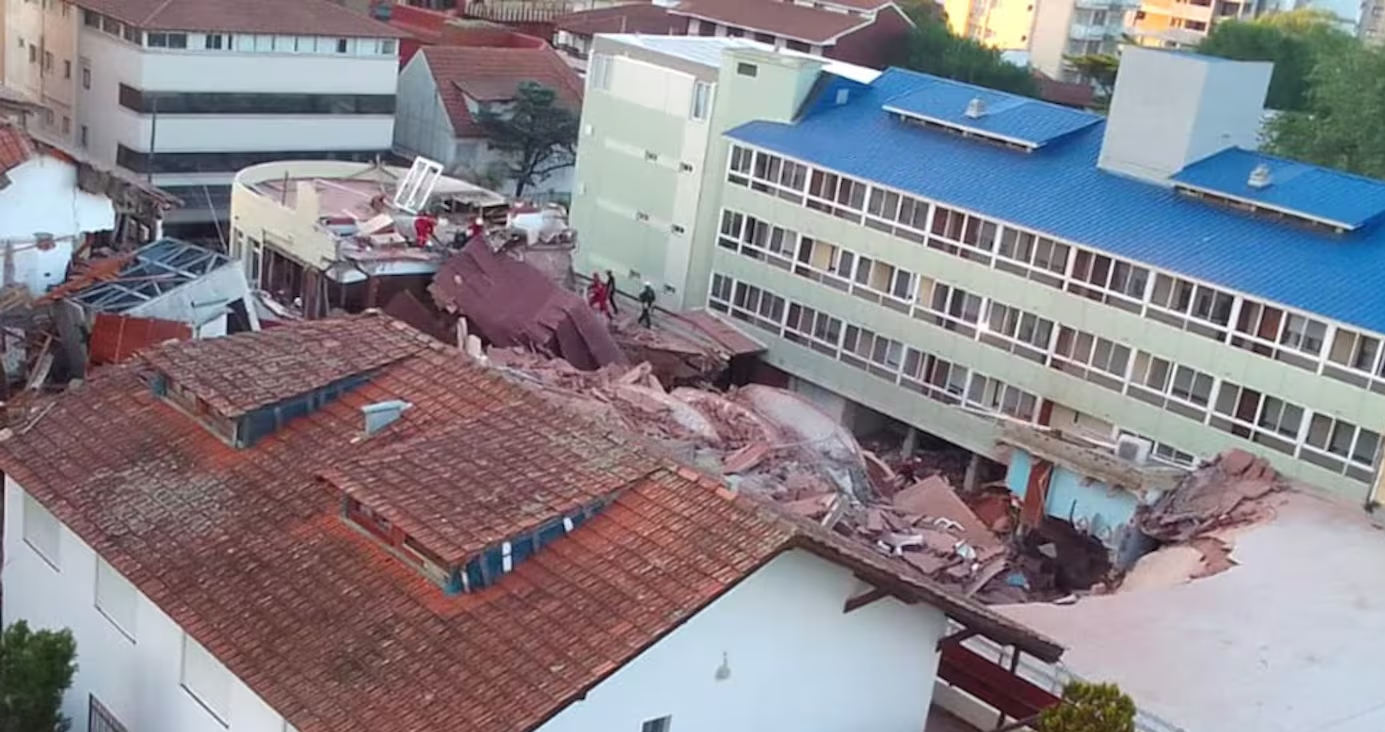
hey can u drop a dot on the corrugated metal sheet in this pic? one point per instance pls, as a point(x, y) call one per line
point(1022, 119)
point(1059, 191)
point(117, 338)
point(1320, 193)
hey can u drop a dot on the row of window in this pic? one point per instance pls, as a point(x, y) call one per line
point(1295, 338)
point(145, 102)
point(862, 348)
point(229, 162)
point(247, 42)
point(201, 674)
point(1185, 391)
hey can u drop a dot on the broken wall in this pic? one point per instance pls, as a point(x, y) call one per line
point(1090, 505)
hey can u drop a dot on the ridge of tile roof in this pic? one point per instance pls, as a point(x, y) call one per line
point(494, 73)
point(799, 22)
point(245, 551)
point(634, 18)
point(288, 17)
point(1059, 191)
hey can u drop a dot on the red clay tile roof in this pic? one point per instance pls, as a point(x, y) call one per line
point(240, 373)
point(493, 74)
point(287, 17)
point(646, 18)
point(509, 479)
point(787, 20)
point(16, 148)
point(247, 552)
point(860, 4)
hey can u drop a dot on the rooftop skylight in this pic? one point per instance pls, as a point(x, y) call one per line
point(1015, 121)
point(1285, 189)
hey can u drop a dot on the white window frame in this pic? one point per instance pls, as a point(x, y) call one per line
point(700, 110)
point(42, 532)
point(110, 590)
point(217, 675)
point(599, 71)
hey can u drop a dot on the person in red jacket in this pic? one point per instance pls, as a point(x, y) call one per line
point(597, 295)
point(424, 224)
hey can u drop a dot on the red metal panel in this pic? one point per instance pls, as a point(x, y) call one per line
point(117, 338)
point(995, 685)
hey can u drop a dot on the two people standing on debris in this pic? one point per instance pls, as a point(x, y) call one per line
point(601, 295)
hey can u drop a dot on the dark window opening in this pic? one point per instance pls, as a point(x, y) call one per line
point(229, 162)
point(745, 69)
point(250, 103)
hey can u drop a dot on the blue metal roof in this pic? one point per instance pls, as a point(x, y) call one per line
point(1060, 191)
point(1019, 119)
point(1308, 190)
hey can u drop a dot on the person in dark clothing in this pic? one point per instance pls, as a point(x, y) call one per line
point(611, 292)
point(647, 299)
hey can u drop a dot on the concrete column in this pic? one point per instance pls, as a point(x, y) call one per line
point(972, 474)
point(911, 441)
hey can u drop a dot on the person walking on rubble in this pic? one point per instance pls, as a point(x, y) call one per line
point(597, 296)
point(611, 292)
point(647, 299)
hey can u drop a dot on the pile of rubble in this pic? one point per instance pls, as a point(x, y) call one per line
point(773, 444)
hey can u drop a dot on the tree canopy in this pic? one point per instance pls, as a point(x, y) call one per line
point(932, 49)
point(1090, 708)
point(537, 135)
point(1342, 124)
point(1100, 70)
point(1296, 41)
point(36, 668)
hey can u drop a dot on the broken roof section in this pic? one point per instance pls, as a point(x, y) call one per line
point(152, 272)
point(247, 552)
point(510, 303)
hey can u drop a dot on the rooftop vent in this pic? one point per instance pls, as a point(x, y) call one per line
point(976, 108)
point(383, 414)
point(1260, 177)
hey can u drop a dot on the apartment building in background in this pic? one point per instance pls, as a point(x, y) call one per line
point(1048, 30)
point(1147, 277)
point(1185, 23)
point(39, 60)
point(187, 92)
point(1372, 25)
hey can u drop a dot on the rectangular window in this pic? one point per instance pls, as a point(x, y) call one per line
point(1304, 334)
point(116, 598)
point(100, 719)
point(701, 101)
point(662, 724)
point(215, 42)
point(206, 680)
point(599, 71)
point(67, 69)
point(42, 531)
point(86, 77)
point(134, 35)
point(82, 138)
point(91, 19)
point(167, 40)
point(342, 45)
point(745, 69)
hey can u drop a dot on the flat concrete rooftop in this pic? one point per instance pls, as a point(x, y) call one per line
point(1290, 640)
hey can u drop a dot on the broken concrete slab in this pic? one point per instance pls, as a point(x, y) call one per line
point(934, 498)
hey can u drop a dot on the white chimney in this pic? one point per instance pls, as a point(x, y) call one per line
point(1260, 177)
point(1172, 108)
point(380, 415)
point(976, 108)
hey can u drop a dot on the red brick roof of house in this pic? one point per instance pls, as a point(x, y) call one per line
point(284, 17)
point(247, 550)
point(646, 18)
point(16, 147)
point(784, 19)
point(493, 74)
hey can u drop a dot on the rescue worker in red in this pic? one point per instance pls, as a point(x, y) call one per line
point(597, 295)
point(424, 224)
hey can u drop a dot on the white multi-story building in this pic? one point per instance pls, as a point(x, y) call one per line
point(187, 92)
point(230, 555)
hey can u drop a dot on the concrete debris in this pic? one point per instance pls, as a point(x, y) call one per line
point(1227, 491)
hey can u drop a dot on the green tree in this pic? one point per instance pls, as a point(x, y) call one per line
point(1099, 69)
point(537, 135)
point(36, 668)
point(1090, 708)
point(1296, 42)
point(1343, 124)
point(931, 48)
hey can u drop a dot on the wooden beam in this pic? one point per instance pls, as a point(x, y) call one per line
point(864, 599)
point(957, 637)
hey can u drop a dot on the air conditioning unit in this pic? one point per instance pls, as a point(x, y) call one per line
point(1133, 449)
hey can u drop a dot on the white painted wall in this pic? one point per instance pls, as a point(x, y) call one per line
point(202, 303)
point(797, 662)
point(43, 197)
point(137, 680)
point(421, 125)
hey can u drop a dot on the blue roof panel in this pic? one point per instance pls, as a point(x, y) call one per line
point(1060, 191)
point(1020, 119)
point(1308, 190)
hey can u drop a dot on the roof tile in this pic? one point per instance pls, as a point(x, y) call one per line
point(246, 551)
point(288, 17)
point(494, 73)
point(799, 22)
